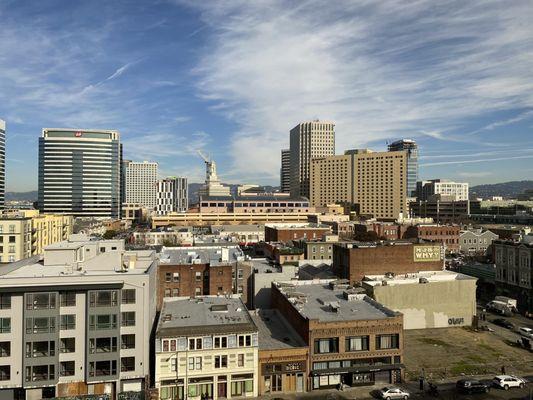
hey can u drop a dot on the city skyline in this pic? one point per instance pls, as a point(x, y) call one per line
point(173, 77)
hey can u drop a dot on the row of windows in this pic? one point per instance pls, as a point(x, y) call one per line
point(216, 342)
point(356, 343)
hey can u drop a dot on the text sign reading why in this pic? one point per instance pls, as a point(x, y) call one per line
point(427, 253)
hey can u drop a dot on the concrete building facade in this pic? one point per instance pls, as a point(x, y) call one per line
point(76, 321)
point(141, 183)
point(206, 348)
point(308, 140)
point(285, 171)
point(233, 218)
point(427, 299)
point(442, 209)
point(286, 232)
point(411, 148)
point(375, 181)
point(79, 172)
point(447, 235)
point(476, 240)
point(172, 195)
point(273, 203)
point(457, 191)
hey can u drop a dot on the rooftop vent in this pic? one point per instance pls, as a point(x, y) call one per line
point(219, 308)
point(335, 306)
point(167, 317)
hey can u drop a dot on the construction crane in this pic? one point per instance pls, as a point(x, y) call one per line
point(204, 157)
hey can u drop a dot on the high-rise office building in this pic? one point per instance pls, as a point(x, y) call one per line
point(285, 171)
point(172, 195)
point(376, 181)
point(457, 190)
point(2, 163)
point(79, 172)
point(308, 140)
point(141, 183)
point(412, 162)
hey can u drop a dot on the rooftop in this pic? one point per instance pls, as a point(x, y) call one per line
point(212, 254)
point(415, 278)
point(329, 300)
point(274, 331)
point(204, 315)
point(255, 198)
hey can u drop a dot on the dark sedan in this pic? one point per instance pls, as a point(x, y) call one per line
point(503, 323)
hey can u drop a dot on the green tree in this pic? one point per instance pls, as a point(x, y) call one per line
point(109, 234)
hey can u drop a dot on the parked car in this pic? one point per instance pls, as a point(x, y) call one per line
point(508, 381)
point(503, 323)
point(525, 332)
point(389, 393)
point(470, 386)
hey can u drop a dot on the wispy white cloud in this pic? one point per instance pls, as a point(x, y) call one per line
point(475, 161)
point(521, 117)
point(378, 69)
point(474, 174)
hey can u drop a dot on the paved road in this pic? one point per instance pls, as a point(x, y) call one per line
point(506, 334)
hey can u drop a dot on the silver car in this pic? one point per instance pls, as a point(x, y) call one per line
point(391, 392)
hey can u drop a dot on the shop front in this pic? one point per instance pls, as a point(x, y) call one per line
point(283, 377)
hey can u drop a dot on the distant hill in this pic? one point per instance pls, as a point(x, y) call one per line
point(21, 196)
point(505, 189)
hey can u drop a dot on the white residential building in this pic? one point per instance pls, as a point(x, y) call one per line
point(76, 321)
point(476, 240)
point(206, 347)
point(457, 190)
point(141, 183)
point(172, 195)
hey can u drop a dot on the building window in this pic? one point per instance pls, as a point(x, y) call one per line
point(245, 340)
point(102, 322)
point(127, 364)
point(198, 276)
point(195, 363)
point(221, 361)
point(168, 292)
point(40, 301)
point(66, 368)
point(175, 292)
point(242, 384)
point(128, 318)
point(387, 341)
point(5, 325)
point(67, 299)
point(198, 291)
point(40, 349)
point(103, 368)
point(240, 274)
point(103, 345)
point(176, 276)
point(168, 277)
point(221, 342)
point(68, 322)
point(5, 372)
point(127, 341)
point(240, 360)
point(357, 343)
point(67, 345)
point(103, 298)
point(195, 344)
point(5, 349)
point(5, 301)
point(329, 345)
point(128, 296)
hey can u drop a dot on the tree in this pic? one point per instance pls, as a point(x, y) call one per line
point(109, 234)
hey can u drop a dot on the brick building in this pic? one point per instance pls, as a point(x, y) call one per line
point(353, 261)
point(448, 235)
point(287, 232)
point(351, 338)
point(282, 355)
point(201, 271)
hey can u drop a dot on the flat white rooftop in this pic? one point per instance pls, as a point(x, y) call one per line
point(414, 278)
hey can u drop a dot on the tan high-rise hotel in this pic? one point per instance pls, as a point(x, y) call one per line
point(308, 140)
point(377, 181)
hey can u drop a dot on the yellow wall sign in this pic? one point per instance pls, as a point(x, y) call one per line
point(427, 253)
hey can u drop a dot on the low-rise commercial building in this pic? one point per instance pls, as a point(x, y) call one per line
point(287, 232)
point(242, 234)
point(75, 321)
point(441, 208)
point(206, 348)
point(227, 218)
point(203, 270)
point(283, 355)
point(353, 261)
point(447, 235)
point(273, 203)
point(352, 339)
point(429, 299)
point(264, 273)
point(476, 240)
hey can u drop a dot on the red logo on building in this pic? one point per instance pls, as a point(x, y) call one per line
point(78, 134)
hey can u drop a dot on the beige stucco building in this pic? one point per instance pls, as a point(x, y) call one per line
point(430, 299)
point(27, 233)
point(376, 181)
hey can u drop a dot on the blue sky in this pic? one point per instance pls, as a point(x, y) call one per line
point(232, 77)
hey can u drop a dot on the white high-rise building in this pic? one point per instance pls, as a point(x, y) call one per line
point(308, 140)
point(2, 163)
point(79, 172)
point(172, 195)
point(285, 171)
point(141, 184)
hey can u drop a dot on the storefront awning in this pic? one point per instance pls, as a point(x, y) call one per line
point(362, 368)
